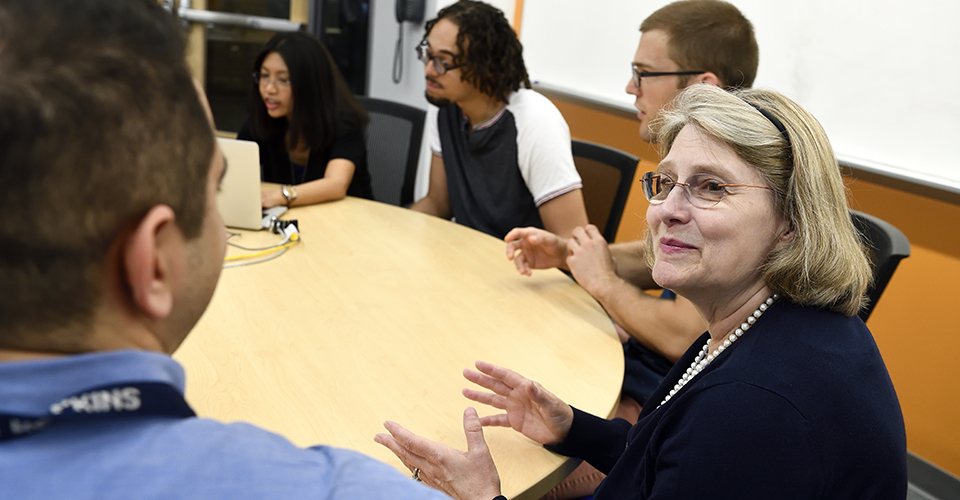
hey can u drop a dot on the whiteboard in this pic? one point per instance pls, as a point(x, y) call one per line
point(882, 76)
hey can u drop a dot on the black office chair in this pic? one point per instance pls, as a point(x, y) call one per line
point(607, 174)
point(888, 246)
point(393, 149)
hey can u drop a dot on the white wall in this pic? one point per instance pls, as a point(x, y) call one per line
point(880, 75)
point(383, 34)
point(383, 41)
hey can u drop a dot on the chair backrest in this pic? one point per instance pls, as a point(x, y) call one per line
point(393, 148)
point(607, 174)
point(888, 246)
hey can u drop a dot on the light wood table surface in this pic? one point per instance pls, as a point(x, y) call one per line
point(374, 316)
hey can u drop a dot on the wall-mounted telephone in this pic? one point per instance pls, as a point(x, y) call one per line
point(410, 10)
point(407, 10)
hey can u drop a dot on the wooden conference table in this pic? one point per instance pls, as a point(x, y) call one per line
point(374, 316)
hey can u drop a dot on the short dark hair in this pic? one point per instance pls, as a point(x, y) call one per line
point(99, 122)
point(709, 35)
point(323, 105)
point(489, 48)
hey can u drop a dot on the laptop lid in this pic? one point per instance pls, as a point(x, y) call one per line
point(239, 197)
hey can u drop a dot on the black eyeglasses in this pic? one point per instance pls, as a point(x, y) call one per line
point(439, 65)
point(702, 190)
point(639, 74)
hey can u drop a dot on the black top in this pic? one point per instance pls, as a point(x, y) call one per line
point(800, 407)
point(500, 172)
point(644, 368)
point(275, 164)
point(486, 190)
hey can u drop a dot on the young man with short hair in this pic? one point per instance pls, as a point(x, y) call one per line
point(501, 152)
point(689, 42)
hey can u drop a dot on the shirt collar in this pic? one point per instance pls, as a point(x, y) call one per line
point(29, 387)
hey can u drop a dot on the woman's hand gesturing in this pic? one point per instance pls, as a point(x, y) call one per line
point(530, 409)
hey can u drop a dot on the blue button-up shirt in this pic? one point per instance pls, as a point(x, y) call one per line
point(162, 457)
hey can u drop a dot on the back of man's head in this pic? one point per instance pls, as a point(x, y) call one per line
point(99, 122)
point(490, 51)
point(709, 35)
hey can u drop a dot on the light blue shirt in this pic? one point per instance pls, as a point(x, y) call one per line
point(164, 457)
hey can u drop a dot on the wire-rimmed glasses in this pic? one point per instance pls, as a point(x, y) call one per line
point(264, 80)
point(702, 190)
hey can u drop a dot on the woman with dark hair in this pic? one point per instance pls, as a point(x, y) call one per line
point(307, 123)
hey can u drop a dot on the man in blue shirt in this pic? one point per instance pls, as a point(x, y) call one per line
point(111, 249)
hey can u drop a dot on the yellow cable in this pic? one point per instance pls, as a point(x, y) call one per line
point(294, 239)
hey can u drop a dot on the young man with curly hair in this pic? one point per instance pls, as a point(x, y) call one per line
point(501, 152)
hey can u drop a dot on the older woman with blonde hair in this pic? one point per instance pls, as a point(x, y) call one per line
point(785, 396)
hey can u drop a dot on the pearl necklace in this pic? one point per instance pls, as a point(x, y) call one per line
point(703, 359)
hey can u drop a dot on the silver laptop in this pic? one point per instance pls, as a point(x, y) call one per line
point(239, 198)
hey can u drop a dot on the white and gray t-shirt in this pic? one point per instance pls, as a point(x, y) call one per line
point(499, 172)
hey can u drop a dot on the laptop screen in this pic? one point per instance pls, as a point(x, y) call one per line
point(239, 197)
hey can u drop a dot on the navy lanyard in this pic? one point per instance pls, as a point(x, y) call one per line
point(101, 403)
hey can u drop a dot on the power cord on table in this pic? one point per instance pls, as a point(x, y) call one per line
point(290, 231)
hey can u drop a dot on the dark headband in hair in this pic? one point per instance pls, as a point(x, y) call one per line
point(776, 123)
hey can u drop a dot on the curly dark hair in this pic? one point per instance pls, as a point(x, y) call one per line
point(490, 52)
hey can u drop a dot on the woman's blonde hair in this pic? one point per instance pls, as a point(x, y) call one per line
point(824, 264)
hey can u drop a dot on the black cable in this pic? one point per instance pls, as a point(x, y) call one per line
point(398, 57)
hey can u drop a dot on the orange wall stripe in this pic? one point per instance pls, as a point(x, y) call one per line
point(518, 16)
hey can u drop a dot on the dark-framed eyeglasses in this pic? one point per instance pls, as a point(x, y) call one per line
point(639, 74)
point(439, 65)
point(702, 190)
point(265, 80)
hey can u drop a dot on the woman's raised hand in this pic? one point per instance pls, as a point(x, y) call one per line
point(530, 409)
point(469, 475)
